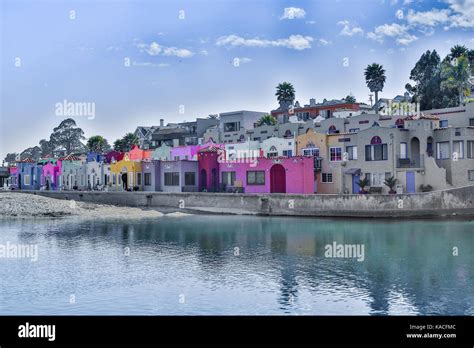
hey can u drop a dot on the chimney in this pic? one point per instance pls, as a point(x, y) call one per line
point(312, 102)
point(162, 122)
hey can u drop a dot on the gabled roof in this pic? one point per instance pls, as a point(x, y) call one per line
point(70, 157)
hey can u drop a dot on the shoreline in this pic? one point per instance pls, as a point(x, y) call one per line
point(451, 203)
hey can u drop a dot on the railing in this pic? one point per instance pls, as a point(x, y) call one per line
point(414, 161)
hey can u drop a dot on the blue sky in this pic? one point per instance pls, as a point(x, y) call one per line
point(322, 47)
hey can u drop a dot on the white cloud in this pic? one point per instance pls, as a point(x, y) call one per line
point(296, 42)
point(349, 29)
point(155, 49)
point(311, 22)
point(324, 42)
point(114, 48)
point(293, 13)
point(242, 60)
point(399, 14)
point(407, 2)
point(463, 16)
point(159, 65)
point(428, 18)
point(394, 30)
point(204, 53)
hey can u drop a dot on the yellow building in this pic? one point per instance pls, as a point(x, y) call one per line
point(125, 174)
point(328, 150)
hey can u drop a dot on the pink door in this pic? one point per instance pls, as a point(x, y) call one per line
point(277, 179)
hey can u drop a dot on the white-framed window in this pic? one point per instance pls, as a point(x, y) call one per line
point(442, 150)
point(351, 152)
point(326, 178)
point(335, 154)
point(403, 150)
point(311, 151)
point(458, 148)
point(139, 179)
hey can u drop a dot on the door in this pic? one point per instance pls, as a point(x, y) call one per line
point(203, 179)
point(277, 179)
point(411, 187)
point(355, 183)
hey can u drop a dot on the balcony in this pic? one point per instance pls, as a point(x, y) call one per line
point(318, 163)
point(415, 161)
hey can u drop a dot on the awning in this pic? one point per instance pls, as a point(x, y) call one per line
point(352, 171)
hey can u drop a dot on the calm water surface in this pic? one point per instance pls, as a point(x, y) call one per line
point(190, 265)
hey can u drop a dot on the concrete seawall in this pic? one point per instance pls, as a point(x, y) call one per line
point(452, 202)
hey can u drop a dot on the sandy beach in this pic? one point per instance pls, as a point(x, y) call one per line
point(24, 205)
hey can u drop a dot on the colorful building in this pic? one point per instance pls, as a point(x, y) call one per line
point(51, 174)
point(126, 174)
point(71, 172)
point(179, 176)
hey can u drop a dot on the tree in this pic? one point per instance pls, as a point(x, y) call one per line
point(375, 79)
point(390, 183)
point(11, 157)
point(285, 93)
point(32, 152)
point(46, 147)
point(98, 144)
point(69, 136)
point(126, 142)
point(266, 120)
point(362, 184)
point(350, 99)
point(455, 75)
point(458, 51)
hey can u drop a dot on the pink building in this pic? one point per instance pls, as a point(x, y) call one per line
point(51, 175)
point(261, 175)
point(137, 154)
point(190, 152)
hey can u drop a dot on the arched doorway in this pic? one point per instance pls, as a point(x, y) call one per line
point(429, 146)
point(125, 181)
point(203, 179)
point(277, 179)
point(415, 148)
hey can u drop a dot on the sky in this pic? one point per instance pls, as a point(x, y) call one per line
point(139, 61)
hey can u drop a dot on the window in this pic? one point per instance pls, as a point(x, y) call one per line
point(403, 150)
point(335, 154)
point(354, 130)
point(172, 179)
point(231, 126)
point(327, 178)
point(256, 177)
point(176, 158)
point(443, 123)
point(470, 175)
point(139, 179)
point(273, 152)
point(26, 180)
point(471, 122)
point(376, 179)
point(376, 152)
point(189, 178)
point(470, 149)
point(442, 150)
point(228, 178)
point(332, 129)
point(82, 179)
point(314, 151)
point(288, 153)
point(458, 149)
point(351, 152)
point(147, 179)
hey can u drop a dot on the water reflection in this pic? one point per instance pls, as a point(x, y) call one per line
point(280, 267)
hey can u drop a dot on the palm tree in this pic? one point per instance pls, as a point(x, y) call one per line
point(362, 184)
point(458, 51)
point(456, 76)
point(390, 183)
point(375, 80)
point(266, 120)
point(285, 93)
point(126, 143)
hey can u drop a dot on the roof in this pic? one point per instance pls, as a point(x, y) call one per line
point(27, 160)
point(421, 117)
point(70, 157)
